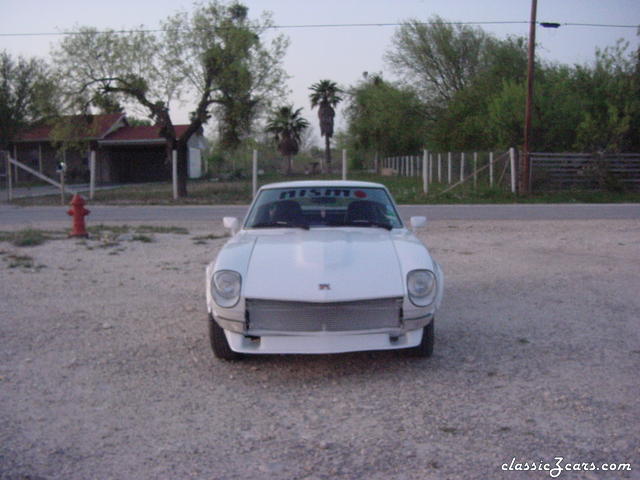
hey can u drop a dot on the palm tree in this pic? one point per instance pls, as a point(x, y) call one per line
point(287, 125)
point(325, 97)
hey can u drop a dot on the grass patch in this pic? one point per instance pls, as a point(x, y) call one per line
point(100, 230)
point(29, 237)
point(406, 190)
point(22, 261)
point(203, 239)
point(19, 261)
point(142, 238)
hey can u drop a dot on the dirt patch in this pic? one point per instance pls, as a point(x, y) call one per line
point(106, 371)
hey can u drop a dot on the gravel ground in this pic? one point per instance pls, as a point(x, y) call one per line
point(106, 370)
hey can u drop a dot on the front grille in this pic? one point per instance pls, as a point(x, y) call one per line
point(282, 316)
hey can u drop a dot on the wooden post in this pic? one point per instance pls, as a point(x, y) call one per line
point(255, 173)
point(430, 167)
point(462, 166)
point(491, 169)
point(92, 173)
point(40, 157)
point(15, 156)
point(439, 168)
point(475, 168)
point(174, 172)
point(512, 162)
point(449, 167)
point(344, 164)
point(9, 178)
point(62, 185)
point(425, 172)
point(524, 173)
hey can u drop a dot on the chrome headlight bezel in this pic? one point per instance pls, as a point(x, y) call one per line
point(422, 287)
point(226, 286)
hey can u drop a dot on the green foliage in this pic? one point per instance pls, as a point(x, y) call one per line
point(28, 93)
point(287, 125)
point(439, 58)
point(385, 118)
point(326, 97)
point(611, 92)
point(474, 88)
point(26, 238)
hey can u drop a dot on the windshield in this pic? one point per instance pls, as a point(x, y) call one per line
point(323, 207)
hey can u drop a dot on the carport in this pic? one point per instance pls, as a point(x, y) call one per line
point(137, 164)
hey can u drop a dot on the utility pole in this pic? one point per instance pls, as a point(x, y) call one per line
point(525, 166)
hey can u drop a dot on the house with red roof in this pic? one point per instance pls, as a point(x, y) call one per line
point(124, 153)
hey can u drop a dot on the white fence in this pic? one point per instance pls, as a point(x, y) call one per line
point(455, 168)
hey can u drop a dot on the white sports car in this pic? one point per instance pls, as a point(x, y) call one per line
point(322, 267)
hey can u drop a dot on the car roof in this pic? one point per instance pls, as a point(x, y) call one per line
point(323, 184)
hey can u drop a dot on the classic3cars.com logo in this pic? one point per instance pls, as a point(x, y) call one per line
point(561, 465)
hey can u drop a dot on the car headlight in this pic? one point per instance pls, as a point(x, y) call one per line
point(225, 288)
point(421, 285)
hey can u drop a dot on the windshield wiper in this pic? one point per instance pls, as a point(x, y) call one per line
point(281, 224)
point(369, 223)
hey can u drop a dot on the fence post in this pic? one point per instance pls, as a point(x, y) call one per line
point(15, 157)
point(62, 185)
point(512, 161)
point(430, 167)
point(92, 174)
point(439, 168)
point(491, 169)
point(425, 172)
point(462, 166)
point(344, 164)
point(475, 169)
point(449, 167)
point(174, 172)
point(254, 173)
point(9, 178)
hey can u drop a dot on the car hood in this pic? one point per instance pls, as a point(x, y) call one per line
point(324, 265)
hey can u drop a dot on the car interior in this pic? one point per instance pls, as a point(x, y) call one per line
point(290, 212)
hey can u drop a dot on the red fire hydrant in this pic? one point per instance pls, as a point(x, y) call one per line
point(78, 212)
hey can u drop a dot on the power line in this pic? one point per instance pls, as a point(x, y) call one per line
point(331, 25)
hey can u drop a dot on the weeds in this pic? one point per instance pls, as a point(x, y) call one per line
point(203, 239)
point(24, 262)
point(28, 237)
point(99, 230)
point(142, 238)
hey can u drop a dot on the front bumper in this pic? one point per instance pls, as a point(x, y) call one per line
point(266, 326)
point(322, 342)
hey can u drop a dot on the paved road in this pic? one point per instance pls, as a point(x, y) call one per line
point(32, 216)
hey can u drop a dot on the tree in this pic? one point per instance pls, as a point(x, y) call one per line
point(611, 106)
point(214, 54)
point(439, 58)
point(326, 97)
point(27, 95)
point(384, 118)
point(287, 125)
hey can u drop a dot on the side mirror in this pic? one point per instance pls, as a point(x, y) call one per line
point(232, 224)
point(418, 222)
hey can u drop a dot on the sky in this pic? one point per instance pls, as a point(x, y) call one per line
point(341, 54)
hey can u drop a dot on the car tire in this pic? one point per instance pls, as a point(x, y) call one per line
point(425, 349)
point(219, 343)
